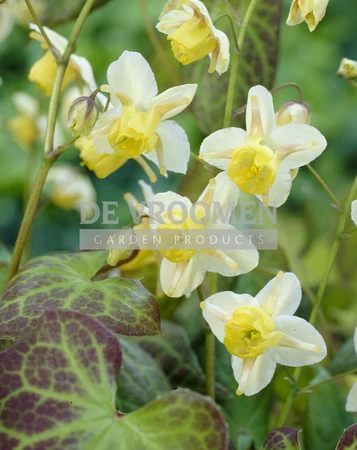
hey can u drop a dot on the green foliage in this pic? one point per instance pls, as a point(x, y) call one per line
point(348, 440)
point(66, 281)
point(345, 359)
point(283, 438)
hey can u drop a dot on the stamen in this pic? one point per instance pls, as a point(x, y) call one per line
point(147, 169)
point(180, 268)
point(248, 365)
point(256, 127)
point(272, 299)
point(223, 257)
point(226, 154)
point(160, 156)
point(218, 312)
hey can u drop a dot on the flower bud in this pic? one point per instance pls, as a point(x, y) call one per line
point(347, 69)
point(82, 116)
point(293, 112)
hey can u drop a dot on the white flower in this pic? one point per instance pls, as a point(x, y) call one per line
point(293, 112)
point(347, 69)
point(68, 187)
point(7, 18)
point(354, 211)
point(44, 70)
point(137, 124)
point(192, 34)
point(310, 11)
point(262, 331)
point(260, 159)
point(184, 269)
point(351, 404)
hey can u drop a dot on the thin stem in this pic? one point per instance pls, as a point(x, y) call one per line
point(353, 230)
point(210, 344)
point(324, 185)
point(290, 84)
point(328, 380)
point(155, 41)
point(61, 148)
point(234, 66)
point(354, 83)
point(289, 399)
point(42, 30)
point(232, 27)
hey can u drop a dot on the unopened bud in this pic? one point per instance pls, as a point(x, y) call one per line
point(293, 112)
point(347, 69)
point(82, 116)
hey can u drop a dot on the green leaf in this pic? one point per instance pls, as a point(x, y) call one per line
point(326, 416)
point(141, 379)
point(66, 281)
point(283, 438)
point(257, 61)
point(348, 440)
point(58, 389)
point(179, 420)
point(345, 359)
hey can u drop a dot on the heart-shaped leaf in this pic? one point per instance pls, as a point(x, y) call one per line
point(58, 391)
point(348, 440)
point(283, 438)
point(66, 281)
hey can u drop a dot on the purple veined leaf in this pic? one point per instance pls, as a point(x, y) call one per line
point(348, 440)
point(283, 438)
point(65, 281)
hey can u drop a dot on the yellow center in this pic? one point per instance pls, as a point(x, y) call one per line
point(253, 168)
point(178, 231)
point(249, 332)
point(134, 132)
point(193, 40)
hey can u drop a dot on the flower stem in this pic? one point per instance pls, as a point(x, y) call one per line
point(42, 30)
point(328, 380)
point(229, 17)
point(290, 84)
point(324, 185)
point(48, 158)
point(234, 66)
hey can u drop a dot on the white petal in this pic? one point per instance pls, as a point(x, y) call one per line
point(351, 404)
point(171, 200)
point(260, 375)
point(225, 197)
point(85, 69)
point(147, 191)
point(105, 122)
point(191, 278)
point(221, 141)
point(354, 211)
point(7, 19)
point(25, 103)
point(307, 140)
point(178, 97)
point(300, 329)
point(102, 145)
point(58, 41)
point(131, 75)
point(228, 302)
point(355, 339)
point(223, 55)
point(286, 291)
point(280, 190)
point(172, 20)
point(265, 107)
point(175, 145)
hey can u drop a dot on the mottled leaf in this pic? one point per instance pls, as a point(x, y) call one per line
point(141, 379)
point(257, 60)
point(348, 440)
point(283, 438)
point(67, 281)
point(180, 420)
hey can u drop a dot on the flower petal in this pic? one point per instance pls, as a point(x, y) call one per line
point(298, 144)
point(175, 146)
point(265, 111)
point(85, 69)
point(351, 404)
point(131, 75)
point(302, 330)
point(59, 42)
point(280, 190)
point(102, 145)
point(172, 20)
point(26, 104)
point(173, 100)
point(105, 122)
point(259, 375)
point(167, 200)
point(222, 141)
point(283, 292)
point(147, 191)
point(227, 302)
point(354, 211)
point(191, 278)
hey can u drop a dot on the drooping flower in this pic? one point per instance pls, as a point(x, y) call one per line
point(351, 404)
point(262, 331)
point(183, 268)
point(192, 34)
point(43, 72)
point(137, 123)
point(293, 112)
point(67, 187)
point(347, 69)
point(310, 11)
point(354, 211)
point(259, 161)
point(82, 116)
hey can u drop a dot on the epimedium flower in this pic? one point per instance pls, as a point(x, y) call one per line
point(192, 34)
point(351, 404)
point(310, 11)
point(293, 112)
point(260, 160)
point(43, 71)
point(137, 125)
point(183, 269)
point(261, 331)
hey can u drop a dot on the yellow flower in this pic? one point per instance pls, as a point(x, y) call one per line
point(192, 34)
point(44, 70)
point(310, 11)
